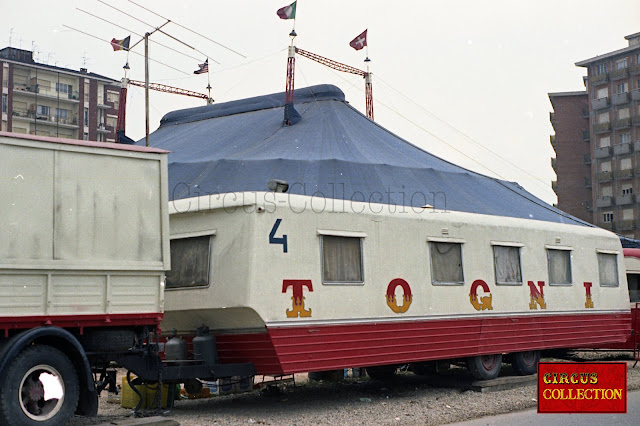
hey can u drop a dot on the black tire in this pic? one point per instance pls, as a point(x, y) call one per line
point(485, 367)
point(382, 372)
point(22, 393)
point(525, 363)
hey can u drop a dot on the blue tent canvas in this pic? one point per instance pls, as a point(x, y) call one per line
point(333, 151)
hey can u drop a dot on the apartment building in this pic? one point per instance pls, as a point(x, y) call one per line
point(46, 100)
point(613, 138)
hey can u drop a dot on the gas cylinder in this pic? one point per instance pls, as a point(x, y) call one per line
point(204, 347)
point(176, 348)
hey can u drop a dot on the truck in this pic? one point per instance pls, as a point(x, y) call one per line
point(83, 254)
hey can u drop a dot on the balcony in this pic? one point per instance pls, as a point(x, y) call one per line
point(622, 123)
point(603, 176)
point(602, 202)
point(625, 225)
point(600, 78)
point(623, 200)
point(586, 135)
point(622, 149)
point(585, 113)
point(554, 164)
point(635, 94)
point(600, 103)
point(587, 206)
point(603, 152)
point(552, 139)
point(636, 146)
point(636, 119)
point(46, 92)
point(587, 182)
point(606, 225)
point(623, 174)
point(552, 117)
point(620, 98)
point(619, 73)
point(601, 128)
point(634, 69)
point(554, 186)
point(587, 158)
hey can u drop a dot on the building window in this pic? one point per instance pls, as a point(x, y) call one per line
point(606, 191)
point(506, 262)
point(605, 166)
point(62, 113)
point(42, 110)
point(4, 102)
point(622, 88)
point(621, 63)
point(86, 116)
point(627, 214)
point(85, 136)
point(625, 164)
point(603, 118)
point(604, 141)
point(608, 269)
point(559, 263)
point(112, 121)
point(602, 93)
point(607, 217)
point(624, 138)
point(190, 262)
point(626, 190)
point(623, 113)
point(341, 260)
point(601, 69)
point(114, 98)
point(446, 263)
point(64, 88)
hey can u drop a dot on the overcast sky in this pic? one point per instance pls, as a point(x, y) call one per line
point(457, 78)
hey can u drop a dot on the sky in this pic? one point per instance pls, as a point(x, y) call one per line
point(466, 80)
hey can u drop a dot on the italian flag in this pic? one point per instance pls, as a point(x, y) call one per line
point(288, 12)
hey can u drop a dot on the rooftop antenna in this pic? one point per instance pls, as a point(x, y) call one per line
point(289, 12)
point(84, 59)
point(10, 36)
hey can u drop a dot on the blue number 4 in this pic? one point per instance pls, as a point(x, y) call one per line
point(278, 240)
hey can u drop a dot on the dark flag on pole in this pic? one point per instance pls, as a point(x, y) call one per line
point(120, 44)
point(360, 41)
point(288, 12)
point(202, 68)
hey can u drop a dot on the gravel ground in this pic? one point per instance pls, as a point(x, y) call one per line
point(408, 399)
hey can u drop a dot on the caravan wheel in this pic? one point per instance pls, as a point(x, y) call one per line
point(485, 367)
point(525, 363)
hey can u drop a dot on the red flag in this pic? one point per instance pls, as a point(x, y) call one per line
point(360, 41)
point(120, 44)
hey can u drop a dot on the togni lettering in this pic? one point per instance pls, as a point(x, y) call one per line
point(298, 309)
point(588, 302)
point(537, 295)
point(485, 301)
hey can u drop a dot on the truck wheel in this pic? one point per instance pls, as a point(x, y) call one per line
point(485, 367)
point(40, 388)
point(525, 363)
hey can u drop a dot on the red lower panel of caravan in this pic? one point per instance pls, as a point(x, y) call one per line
point(291, 349)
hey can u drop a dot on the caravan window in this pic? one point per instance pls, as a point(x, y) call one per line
point(342, 260)
point(608, 269)
point(559, 264)
point(446, 263)
point(190, 262)
point(506, 262)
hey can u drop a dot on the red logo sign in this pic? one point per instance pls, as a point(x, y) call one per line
point(585, 387)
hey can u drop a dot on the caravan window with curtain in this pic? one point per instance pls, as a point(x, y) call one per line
point(446, 263)
point(608, 269)
point(190, 260)
point(342, 260)
point(506, 262)
point(559, 264)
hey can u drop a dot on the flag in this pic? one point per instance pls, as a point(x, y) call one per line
point(120, 44)
point(288, 12)
point(202, 68)
point(360, 41)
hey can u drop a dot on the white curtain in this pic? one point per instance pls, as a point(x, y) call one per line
point(559, 262)
point(446, 263)
point(342, 259)
point(608, 267)
point(507, 265)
